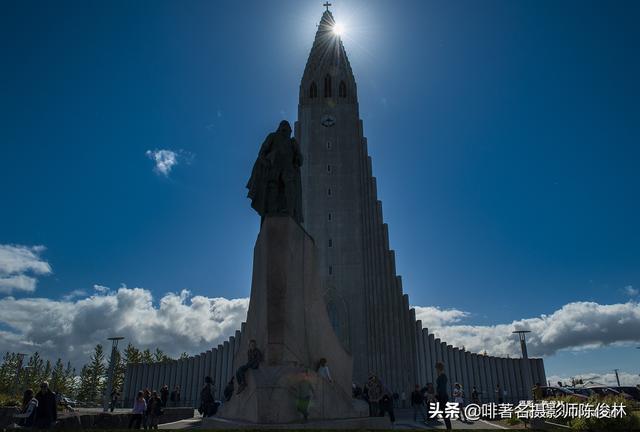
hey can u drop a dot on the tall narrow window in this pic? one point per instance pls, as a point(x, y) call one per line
point(313, 90)
point(330, 270)
point(329, 191)
point(342, 90)
point(328, 168)
point(327, 86)
point(329, 216)
point(330, 243)
point(328, 145)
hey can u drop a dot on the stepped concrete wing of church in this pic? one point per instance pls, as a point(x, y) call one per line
point(363, 294)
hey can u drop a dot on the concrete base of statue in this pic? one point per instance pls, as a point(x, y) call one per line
point(288, 319)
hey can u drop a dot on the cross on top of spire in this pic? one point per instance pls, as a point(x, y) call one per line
point(327, 4)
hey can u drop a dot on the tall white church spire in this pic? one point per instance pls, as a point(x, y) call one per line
point(328, 73)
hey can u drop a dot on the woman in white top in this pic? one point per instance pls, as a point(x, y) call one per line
point(323, 370)
point(458, 397)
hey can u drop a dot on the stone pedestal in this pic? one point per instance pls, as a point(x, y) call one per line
point(288, 319)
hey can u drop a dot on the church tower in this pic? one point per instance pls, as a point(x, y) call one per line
point(364, 296)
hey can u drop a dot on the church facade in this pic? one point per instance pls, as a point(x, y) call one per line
point(365, 301)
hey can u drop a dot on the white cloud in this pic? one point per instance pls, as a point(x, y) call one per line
point(18, 265)
point(577, 325)
point(631, 291)
point(101, 289)
point(166, 160)
point(70, 329)
point(433, 316)
point(74, 294)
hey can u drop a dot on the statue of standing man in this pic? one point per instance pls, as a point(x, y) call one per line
point(275, 186)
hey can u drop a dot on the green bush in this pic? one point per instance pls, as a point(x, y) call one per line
point(9, 401)
point(626, 423)
point(513, 421)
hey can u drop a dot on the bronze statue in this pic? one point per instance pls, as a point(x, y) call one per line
point(275, 186)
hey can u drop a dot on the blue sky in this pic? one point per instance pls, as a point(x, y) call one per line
point(504, 137)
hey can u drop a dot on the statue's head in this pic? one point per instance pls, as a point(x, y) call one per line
point(284, 128)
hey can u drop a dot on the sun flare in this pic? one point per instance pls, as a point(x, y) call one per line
point(338, 29)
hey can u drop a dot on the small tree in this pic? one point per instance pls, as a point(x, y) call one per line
point(92, 377)
point(8, 371)
point(146, 356)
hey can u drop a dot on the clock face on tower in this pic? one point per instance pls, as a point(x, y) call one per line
point(327, 120)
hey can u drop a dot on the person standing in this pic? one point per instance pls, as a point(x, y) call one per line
point(386, 406)
point(208, 405)
point(145, 415)
point(417, 403)
point(154, 410)
point(441, 393)
point(173, 397)
point(139, 408)
point(323, 370)
point(228, 390)
point(114, 400)
point(164, 395)
point(375, 392)
point(254, 358)
point(537, 393)
point(475, 397)
point(429, 398)
point(304, 393)
point(458, 397)
point(499, 394)
point(47, 412)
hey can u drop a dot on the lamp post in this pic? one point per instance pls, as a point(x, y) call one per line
point(107, 395)
point(526, 367)
point(617, 377)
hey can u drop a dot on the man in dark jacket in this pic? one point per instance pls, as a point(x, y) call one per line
point(254, 357)
point(208, 405)
point(417, 403)
point(47, 412)
point(164, 395)
point(442, 395)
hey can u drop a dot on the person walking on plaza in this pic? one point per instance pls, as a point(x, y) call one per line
point(47, 412)
point(304, 393)
point(417, 403)
point(386, 406)
point(254, 358)
point(139, 408)
point(154, 411)
point(441, 393)
point(374, 392)
point(458, 397)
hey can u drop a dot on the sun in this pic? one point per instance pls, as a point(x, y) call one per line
point(338, 29)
